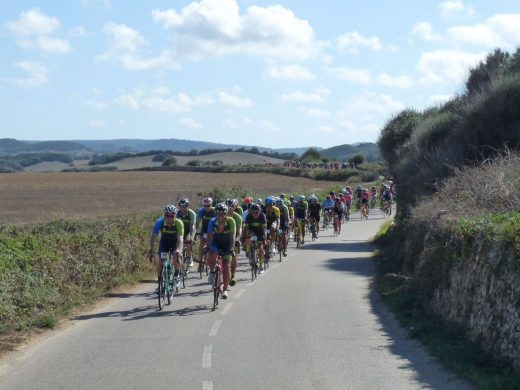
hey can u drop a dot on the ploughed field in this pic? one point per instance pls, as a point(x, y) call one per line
point(35, 197)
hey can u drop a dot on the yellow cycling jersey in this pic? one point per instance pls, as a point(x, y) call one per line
point(291, 211)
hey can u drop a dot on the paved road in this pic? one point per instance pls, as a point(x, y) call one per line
point(310, 322)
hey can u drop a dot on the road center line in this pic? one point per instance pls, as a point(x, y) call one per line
point(207, 356)
point(228, 308)
point(239, 294)
point(207, 385)
point(214, 329)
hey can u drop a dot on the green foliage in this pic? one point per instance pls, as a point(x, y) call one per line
point(194, 163)
point(312, 154)
point(46, 268)
point(169, 162)
point(358, 159)
point(22, 160)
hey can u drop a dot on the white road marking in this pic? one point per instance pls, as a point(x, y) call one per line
point(239, 294)
point(214, 329)
point(207, 385)
point(227, 308)
point(207, 356)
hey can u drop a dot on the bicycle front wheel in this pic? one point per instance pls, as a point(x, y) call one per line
point(162, 291)
point(216, 288)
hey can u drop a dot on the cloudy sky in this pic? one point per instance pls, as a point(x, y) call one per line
point(280, 73)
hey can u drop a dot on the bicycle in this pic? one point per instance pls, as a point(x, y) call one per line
point(337, 225)
point(312, 228)
point(280, 240)
point(185, 270)
point(253, 258)
point(364, 211)
point(218, 283)
point(165, 280)
point(327, 216)
point(346, 212)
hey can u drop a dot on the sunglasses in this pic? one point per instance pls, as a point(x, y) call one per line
point(255, 212)
point(169, 215)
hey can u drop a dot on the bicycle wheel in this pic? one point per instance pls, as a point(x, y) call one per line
point(253, 263)
point(162, 293)
point(216, 287)
point(169, 286)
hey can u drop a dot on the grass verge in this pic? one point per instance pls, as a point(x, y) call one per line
point(446, 342)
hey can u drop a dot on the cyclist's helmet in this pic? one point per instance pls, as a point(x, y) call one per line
point(282, 195)
point(291, 198)
point(207, 201)
point(254, 207)
point(327, 197)
point(183, 202)
point(259, 201)
point(269, 201)
point(221, 208)
point(332, 193)
point(170, 209)
point(248, 200)
point(231, 202)
point(344, 191)
point(279, 202)
point(300, 198)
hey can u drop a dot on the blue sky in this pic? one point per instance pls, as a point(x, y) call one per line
point(286, 73)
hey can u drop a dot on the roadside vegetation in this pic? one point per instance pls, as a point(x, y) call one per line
point(457, 168)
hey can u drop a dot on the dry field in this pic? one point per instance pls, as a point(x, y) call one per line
point(31, 197)
point(227, 158)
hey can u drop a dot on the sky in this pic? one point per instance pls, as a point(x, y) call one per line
point(280, 73)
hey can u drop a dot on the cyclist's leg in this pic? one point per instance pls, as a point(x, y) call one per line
point(226, 274)
point(211, 260)
point(261, 254)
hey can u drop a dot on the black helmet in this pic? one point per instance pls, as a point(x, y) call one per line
point(255, 207)
point(183, 202)
point(221, 208)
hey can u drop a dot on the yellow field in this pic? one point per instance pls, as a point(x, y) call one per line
point(31, 197)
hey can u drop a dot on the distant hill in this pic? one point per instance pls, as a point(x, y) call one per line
point(368, 150)
point(9, 146)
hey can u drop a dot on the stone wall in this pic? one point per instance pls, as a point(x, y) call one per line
point(475, 284)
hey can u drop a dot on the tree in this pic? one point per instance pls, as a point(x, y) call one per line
point(358, 159)
point(311, 154)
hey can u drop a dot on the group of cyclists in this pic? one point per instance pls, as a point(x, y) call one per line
point(225, 228)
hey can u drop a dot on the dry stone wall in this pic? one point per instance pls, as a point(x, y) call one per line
point(475, 284)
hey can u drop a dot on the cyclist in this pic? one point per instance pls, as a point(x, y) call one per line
point(205, 214)
point(290, 206)
point(188, 217)
point(256, 224)
point(314, 213)
point(272, 215)
point(337, 213)
point(300, 215)
point(232, 204)
point(373, 197)
point(386, 198)
point(348, 203)
point(284, 224)
point(172, 232)
point(365, 196)
point(328, 205)
point(221, 238)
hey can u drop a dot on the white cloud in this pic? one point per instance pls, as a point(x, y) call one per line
point(79, 32)
point(161, 100)
point(497, 31)
point(324, 129)
point(230, 123)
point(124, 44)
point(33, 22)
point(424, 31)
point(123, 37)
point(356, 75)
point(32, 30)
point(96, 105)
point(290, 72)
point(371, 103)
point(315, 112)
point(190, 122)
point(318, 96)
point(37, 74)
point(97, 123)
point(446, 66)
point(455, 8)
point(353, 41)
point(234, 101)
point(216, 27)
point(439, 99)
point(403, 82)
point(269, 126)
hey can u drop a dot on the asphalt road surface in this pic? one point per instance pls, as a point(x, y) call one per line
point(312, 321)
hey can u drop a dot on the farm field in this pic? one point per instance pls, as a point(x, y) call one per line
point(34, 197)
point(227, 158)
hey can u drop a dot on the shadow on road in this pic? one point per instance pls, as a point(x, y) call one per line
point(342, 246)
point(355, 265)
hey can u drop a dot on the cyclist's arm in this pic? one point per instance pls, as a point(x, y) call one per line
point(232, 232)
point(152, 245)
point(180, 235)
